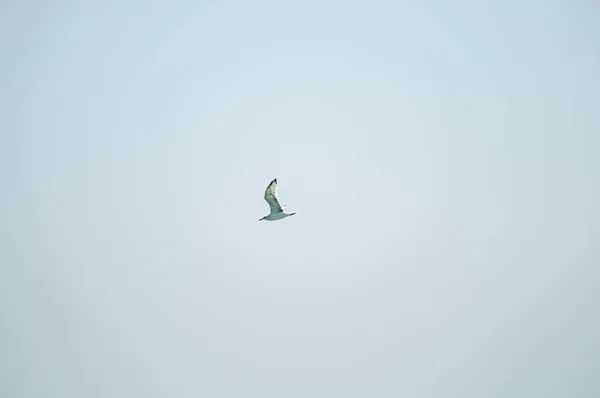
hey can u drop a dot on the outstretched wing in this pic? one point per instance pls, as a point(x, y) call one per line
point(272, 198)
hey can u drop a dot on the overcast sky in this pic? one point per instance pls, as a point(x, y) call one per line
point(442, 159)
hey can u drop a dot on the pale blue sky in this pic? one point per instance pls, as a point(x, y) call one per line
point(442, 159)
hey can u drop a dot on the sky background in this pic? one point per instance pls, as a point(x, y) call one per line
point(442, 158)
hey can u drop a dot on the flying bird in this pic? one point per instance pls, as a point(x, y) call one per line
point(277, 211)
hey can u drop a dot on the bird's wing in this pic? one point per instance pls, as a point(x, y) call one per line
point(272, 198)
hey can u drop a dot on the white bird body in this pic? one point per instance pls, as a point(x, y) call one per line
point(277, 211)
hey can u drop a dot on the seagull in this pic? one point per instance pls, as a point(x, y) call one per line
point(277, 212)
